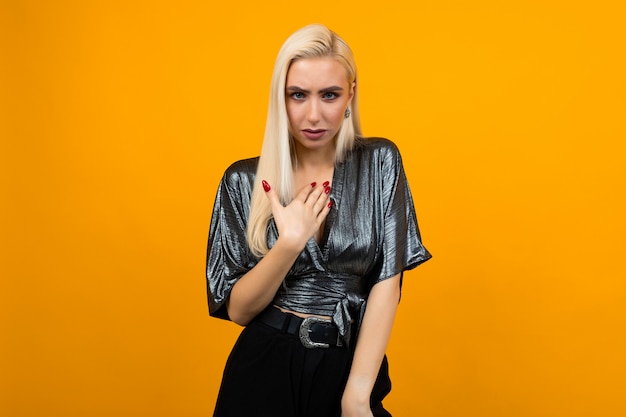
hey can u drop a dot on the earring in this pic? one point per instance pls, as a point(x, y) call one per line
point(347, 113)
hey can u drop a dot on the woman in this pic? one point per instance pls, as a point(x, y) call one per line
point(307, 247)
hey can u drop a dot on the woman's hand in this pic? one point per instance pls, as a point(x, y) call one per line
point(300, 219)
point(352, 407)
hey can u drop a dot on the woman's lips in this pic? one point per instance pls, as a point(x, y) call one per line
point(313, 133)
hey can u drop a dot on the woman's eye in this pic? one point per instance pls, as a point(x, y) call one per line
point(330, 96)
point(297, 95)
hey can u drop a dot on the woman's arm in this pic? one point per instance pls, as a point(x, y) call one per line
point(296, 224)
point(380, 312)
point(256, 289)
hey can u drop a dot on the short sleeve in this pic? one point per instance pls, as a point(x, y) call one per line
point(228, 255)
point(402, 245)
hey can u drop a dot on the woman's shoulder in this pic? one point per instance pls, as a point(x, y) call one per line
point(243, 167)
point(378, 146)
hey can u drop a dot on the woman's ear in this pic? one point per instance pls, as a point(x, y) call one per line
point(352, 89)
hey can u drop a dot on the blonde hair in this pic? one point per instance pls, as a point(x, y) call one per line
point(277, 155)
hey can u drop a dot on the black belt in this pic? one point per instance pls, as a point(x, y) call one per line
point(314, 332)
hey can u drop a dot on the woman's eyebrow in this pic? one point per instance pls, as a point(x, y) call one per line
point(297, 89)
point(330, 89)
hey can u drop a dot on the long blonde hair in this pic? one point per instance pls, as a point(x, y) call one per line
point(277, 155)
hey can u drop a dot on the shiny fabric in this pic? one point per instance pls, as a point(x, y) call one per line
point(370, 234)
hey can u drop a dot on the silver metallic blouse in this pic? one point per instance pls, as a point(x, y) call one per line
point(370, 234)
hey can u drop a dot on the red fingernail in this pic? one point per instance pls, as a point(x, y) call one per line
point(313, 184)
point(325, 184)
point(327, 190)
point(266, 186)
point(330, 204)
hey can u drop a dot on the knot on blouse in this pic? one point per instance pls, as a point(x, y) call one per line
point(338, 296)
point(343, 319)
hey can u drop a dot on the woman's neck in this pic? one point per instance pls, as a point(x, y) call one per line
point(315, 159)
point(314, 167)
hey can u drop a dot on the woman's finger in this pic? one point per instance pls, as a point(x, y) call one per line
point(305, 191)
point(323, 199)
point(271, 195)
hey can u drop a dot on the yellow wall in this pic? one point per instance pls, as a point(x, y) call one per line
point(117, 119)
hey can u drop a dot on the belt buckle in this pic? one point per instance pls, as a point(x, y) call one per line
point(305, 330)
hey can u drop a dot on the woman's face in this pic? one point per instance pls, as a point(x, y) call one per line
point(317, 94)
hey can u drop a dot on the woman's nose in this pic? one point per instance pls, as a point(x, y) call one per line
point(314, 111)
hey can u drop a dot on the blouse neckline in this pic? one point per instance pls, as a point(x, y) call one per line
point(320, 250)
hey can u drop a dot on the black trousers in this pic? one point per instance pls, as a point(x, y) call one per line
point(270, 374)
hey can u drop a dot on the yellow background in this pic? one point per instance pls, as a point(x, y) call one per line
point(118, 118)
